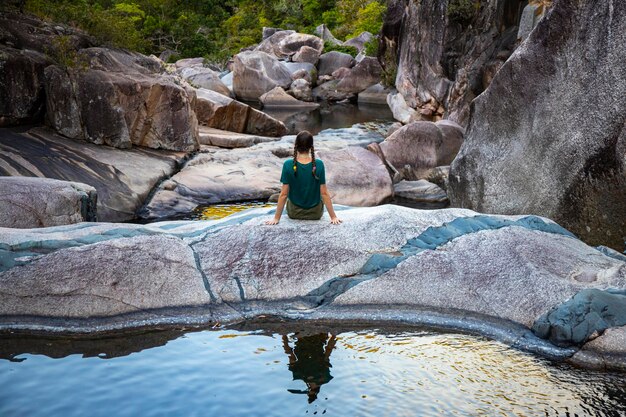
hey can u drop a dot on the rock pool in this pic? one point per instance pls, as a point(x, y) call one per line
point(284, 372)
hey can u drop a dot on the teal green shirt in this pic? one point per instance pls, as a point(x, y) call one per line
point(304, 188)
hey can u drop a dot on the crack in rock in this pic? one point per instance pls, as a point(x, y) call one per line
point(242, 293)
point(205, 279)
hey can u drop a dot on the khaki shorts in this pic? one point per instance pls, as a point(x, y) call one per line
point(299, 213)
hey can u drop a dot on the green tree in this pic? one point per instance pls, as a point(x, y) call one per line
point(369, 18)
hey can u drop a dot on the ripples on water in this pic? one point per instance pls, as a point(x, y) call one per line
point(231, 373)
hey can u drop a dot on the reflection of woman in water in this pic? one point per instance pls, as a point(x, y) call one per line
point(309, 361)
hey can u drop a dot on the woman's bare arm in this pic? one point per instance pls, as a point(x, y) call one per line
point(329, 204)
point(282, 199)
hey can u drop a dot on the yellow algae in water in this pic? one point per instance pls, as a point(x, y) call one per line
point(232, 336)
point(218, 211)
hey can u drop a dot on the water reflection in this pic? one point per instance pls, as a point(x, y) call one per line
point(241, 372)
point(309, 361)
point(327, 116)
point(14, 347)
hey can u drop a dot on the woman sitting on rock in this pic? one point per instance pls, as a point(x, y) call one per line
point(304, 182)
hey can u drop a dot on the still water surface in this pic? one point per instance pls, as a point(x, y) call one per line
point(236, 373)
point(330, 116)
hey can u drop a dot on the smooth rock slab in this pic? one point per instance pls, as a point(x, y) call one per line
point(257, 263)
point(454, 262)
point(254, 173)
point(607, 351)
point(217, 177)
point(27, 202)
point(123, 179)
point(105, 279)
point(225, 139)
point(511, 273)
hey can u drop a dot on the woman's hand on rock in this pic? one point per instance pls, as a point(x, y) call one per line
point(335, 220)
point(272, 222)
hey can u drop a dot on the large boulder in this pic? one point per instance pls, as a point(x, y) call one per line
point(286, 43)
point(331, 61)
point(292, 43)
point(221, 112)
point(401, 111)
point(359, 41)
point(27, 32)
point(323, 32)
point(120, 101)
point(356, 177)
point(301, 89)
point(200, 77)
point(268, 31)
point(271, 44)
point(441, 55)
point(363, 75)
point(564, 155)
point(22, 98)
point(189, 63)
point(27, 202)
point(279, 98)
point(27, 46)
point(260, 123)
point(307, 54)
point(227, 79)
point(123, 178)
point(295, 70)
point(418, 147)
point(376, 94)
point(256, 72)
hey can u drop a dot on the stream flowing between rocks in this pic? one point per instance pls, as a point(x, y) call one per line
point(276, 372)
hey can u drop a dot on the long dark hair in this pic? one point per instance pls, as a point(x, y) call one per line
point(304, 143)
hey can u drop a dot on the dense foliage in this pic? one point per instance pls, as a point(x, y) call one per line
point(215, 29)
